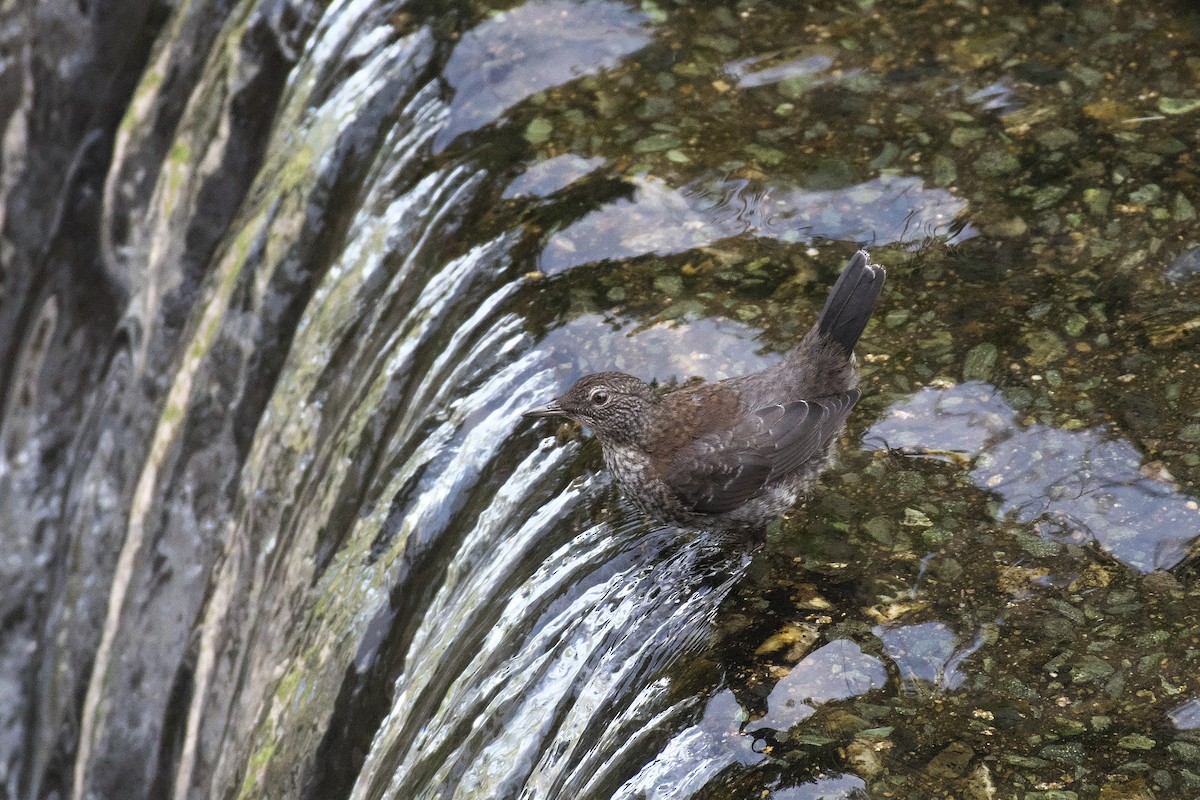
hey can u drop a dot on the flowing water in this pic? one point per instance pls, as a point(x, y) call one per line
point(279, 279)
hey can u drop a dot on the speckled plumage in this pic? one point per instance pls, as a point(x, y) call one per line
point(736, 454)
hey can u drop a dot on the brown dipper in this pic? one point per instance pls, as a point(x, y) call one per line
point(733, 455)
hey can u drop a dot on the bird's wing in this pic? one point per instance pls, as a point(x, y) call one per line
point(800, 430)
point(722, 470)
point(718, 479)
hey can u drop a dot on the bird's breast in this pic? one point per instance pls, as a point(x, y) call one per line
point(634, 472)
point(626, 463)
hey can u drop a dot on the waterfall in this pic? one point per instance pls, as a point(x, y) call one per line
point(296, 513)
point(279, 277)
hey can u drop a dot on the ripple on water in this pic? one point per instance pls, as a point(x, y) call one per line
point(660, 219)
point(530, 48)
point(713, 349)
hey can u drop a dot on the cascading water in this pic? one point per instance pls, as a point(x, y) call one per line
point(379, 511)
point(281, 276)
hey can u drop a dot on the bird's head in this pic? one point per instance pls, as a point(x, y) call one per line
point(616, 406)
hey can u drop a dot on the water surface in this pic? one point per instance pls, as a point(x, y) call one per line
point(276, 528)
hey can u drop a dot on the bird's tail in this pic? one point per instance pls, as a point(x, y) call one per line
point(851, 301)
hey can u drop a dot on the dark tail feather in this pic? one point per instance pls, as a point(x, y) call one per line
point(851, 301)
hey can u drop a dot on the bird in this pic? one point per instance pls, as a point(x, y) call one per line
point(736, 454)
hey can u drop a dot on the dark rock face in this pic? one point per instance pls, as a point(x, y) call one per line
point(100, 277)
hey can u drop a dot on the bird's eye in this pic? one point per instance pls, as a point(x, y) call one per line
point(599, 398)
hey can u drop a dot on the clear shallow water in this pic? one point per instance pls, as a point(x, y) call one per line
point(1083, 486)
point(659, 220)
point(284, 533)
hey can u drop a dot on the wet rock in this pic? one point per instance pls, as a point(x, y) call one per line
point(1183, 210)
point(1055, 138)
point(951, 762)
point(994, 163)
point(1136, 741)
point(1066, 753)
point(980, 362)
point(1007, 229)
point(979, 784)
point(1090, 669)
point(1185, 751)
point(1135, 789)
point(1110, 112)
point(538, 130)
point(1045, 348)
point(1177, 105)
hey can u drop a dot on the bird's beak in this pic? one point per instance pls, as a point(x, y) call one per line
point(551, 409)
